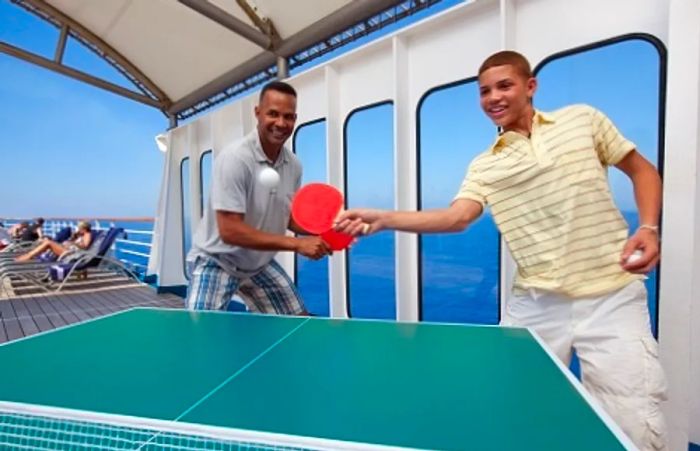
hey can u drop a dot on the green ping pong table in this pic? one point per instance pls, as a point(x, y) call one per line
point(173, 379)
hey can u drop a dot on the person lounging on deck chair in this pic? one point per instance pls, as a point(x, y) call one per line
point(33, 231)
point(10, 267)
point(25, 236)
point(78, 264)
point(10, 240)
point(17, 229)
point(18, 248)
point(81, 240)
point(25, 233)
point(7, 257)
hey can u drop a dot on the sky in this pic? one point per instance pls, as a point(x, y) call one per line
point(69, 149)
point(459, 277)
point(454, 130)
point(72, 150)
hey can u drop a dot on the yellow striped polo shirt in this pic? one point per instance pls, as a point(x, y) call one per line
point(550, 198)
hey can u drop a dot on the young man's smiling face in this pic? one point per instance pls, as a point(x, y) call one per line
point(506, 97)
point(276, 116)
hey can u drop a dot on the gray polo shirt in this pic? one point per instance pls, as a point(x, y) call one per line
point(235, 188)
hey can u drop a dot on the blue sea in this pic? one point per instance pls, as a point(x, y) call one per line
point(140, 232)
point(133, 248)
point(459, 273)
point(459, 277)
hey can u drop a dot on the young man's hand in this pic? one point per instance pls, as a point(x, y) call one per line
point(647, 241)
point(359, 221)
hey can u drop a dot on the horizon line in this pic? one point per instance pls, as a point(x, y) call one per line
point(91, 218)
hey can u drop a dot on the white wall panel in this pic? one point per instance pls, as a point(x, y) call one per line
point(453, 47)
point(227, 126)
point(680, 266)
point(311, 100)
point(364, 78)
point(449, 47)
point(170, 269)
point(334, 141)
point(544, 27)
point(405, 184)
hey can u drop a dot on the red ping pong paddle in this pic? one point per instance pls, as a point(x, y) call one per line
point(314, 209)
point(315, 206)
point(337, 240)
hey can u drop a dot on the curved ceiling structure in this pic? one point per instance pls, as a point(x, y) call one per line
point(185, 56)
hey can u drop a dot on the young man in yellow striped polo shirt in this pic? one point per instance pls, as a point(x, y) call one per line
point(545, 180)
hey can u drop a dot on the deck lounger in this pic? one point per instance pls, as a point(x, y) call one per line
point(9, 265)
point(34, 271)
point(55, 276)
point(20, 247)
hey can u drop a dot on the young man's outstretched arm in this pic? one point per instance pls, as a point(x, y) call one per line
point(455, 218)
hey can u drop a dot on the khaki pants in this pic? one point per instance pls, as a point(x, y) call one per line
point(619, 356)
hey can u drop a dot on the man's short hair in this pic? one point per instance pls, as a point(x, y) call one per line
point(39, 221)
point(507, 57)
point(279, 86)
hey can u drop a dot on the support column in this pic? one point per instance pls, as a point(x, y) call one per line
point(405, 188)
point(680, 247)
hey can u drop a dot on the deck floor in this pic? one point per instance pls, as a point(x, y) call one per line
point(27, 315)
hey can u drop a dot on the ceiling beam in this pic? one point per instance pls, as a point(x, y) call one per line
point(61, 45)
point(76, 74)
point(264, 24)
point(345, 17)
point(227, 20)
point(239, 73)
point(108, 52)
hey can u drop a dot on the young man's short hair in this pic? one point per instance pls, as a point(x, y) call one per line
point(278, 86)
point(507, 57)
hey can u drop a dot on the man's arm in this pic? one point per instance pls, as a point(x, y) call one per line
point(455, 218)
point(647, 192)
point(296, 228)
point(236, 232)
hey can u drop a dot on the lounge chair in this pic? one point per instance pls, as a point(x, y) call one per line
point(8, 263)
point(19, 247)
point(78, 264)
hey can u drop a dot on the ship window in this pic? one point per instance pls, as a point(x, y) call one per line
point(623, 78)
point(459, 272)
point(369, 183)
point(205, 173)
point(185, 207)
point(312, 275)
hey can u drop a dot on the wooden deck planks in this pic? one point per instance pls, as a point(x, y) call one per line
point(28, 315)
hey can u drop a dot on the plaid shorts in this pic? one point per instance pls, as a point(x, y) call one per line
point(269, 291)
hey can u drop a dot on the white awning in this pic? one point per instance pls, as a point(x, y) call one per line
point(183, 53)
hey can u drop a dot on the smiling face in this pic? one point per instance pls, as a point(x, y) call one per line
point(506, 97)
point(276, 115)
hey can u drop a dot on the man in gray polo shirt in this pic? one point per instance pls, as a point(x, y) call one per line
point(247, 216)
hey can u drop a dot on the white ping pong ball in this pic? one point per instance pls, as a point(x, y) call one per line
point(269, 178)
point(636, 255)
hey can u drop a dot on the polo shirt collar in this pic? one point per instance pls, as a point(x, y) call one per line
point(260, 155)
point(503, 139)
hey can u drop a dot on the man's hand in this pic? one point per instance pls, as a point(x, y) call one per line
point(312, 247)
point(647, 241)
point(359, 221)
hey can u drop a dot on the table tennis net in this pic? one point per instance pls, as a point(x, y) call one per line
point(63, 429)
